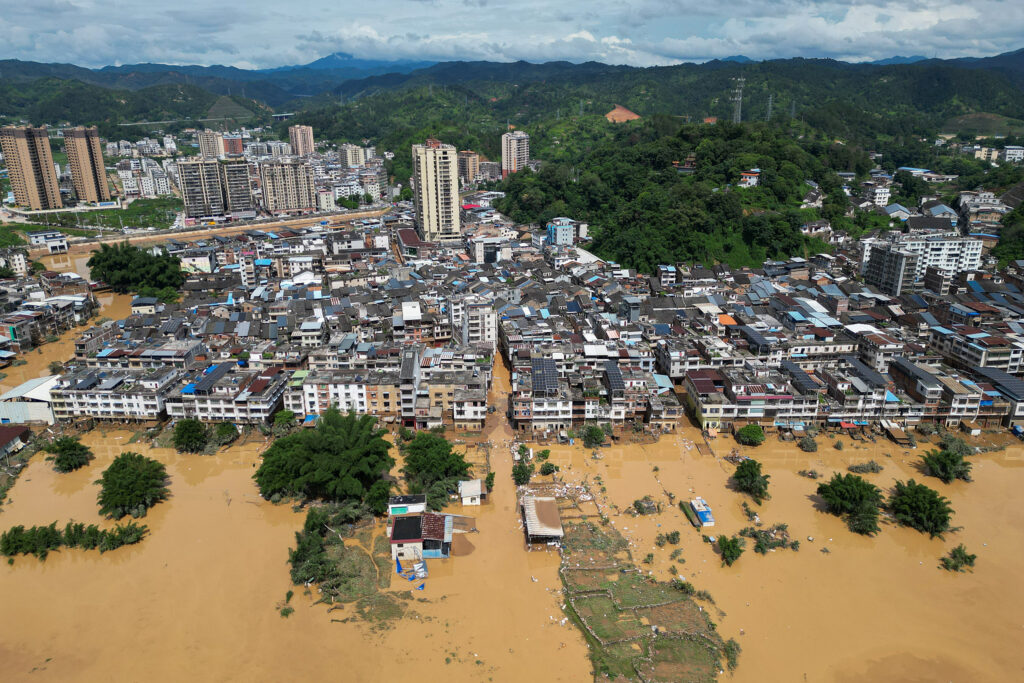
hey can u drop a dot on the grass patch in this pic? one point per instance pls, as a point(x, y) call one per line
point(679, 659)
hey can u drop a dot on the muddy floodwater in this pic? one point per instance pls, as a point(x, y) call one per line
point(198, 598)
point(870, 609)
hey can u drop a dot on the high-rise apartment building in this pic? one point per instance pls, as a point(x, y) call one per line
point(288, 185)
point(88, 174)
point(891, 269)
point(469, 166)
point(199, 180)
point(213, 188)
point(301, 139)
point(515, 152)
point(30, 167)
point(353, 156)
point(436, 190)
point(211, 143)
point(234, 180)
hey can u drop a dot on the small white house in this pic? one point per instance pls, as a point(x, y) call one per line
point(472, 491)
point(407, 505)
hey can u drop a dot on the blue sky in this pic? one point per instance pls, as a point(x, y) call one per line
point(265, 33)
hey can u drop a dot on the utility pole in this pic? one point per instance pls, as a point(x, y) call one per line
point(737, 100)
point(792, 109)
point(581, 107)
point(768, 115)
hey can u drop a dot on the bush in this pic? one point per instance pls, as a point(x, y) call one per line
point(489, 481)
point(593, 436)
point(808, 444)
point(751, 435)
point(132, 484)
point(869, 467)
point(56, 367)
point(730, 549)
point(432, 466)
point(946, 465)
point(919, 507)
point(284, 422)
point(190, 436)
point(224, 434)
point(40, 540)
point(957, 559)
point(838, 445)
point(852, 497)
point(69, 454)
point(748, 479)
point(548, 468)
point(521, 473)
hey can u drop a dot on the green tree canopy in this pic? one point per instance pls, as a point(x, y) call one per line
point(593, 436)
point(946, 465)
point(132, 484)
point(68, 454)
point(338, 460)
point(190, 436)
point(433, 467)
point(920, 507)
point(854, 498)
point(127, 268)
point(750, 435)
point(748, 478)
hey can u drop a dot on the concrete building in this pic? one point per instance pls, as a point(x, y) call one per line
point(301, 139)
point(30, 167)
point(948, 252)
point(200, 184)
point(234, 180)
point(515, 152)
point(85, 158)
point(211, 143)
point(352, 156)
point(469, 167)
point(891, 269)
point(233, 145)
point(288, 186)
point(436, 190)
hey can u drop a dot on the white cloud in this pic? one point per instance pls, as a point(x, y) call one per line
point(266, 33)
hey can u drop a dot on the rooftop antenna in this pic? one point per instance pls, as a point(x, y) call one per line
point(768, 116)
point(737, 99)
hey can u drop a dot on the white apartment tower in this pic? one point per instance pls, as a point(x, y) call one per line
point(515, 152)
point(301, 139)
point(211, 143)
point(436, 190)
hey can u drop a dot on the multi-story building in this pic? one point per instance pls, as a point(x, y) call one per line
point(30, 167)
point(225, 393)
point(288, 186)
point(211, 143)
point(469, 167)
point(352, 156)
point(949, 252)
point(112, 394)
point(301, 139)
point(85, 158)
point(233, 145)
point(201, 189)
point(436, 191)
point(236, 188)
point(515, 152)
point(892, 269)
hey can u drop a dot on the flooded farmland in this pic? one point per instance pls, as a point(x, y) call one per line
point(198, 597)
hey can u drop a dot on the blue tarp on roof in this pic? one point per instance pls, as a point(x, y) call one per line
point(891, 397)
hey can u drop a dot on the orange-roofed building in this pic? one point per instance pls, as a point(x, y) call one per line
point(620, 115)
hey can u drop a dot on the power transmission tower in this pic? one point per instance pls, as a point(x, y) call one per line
point(768, 115)
point(737, 100)
point(581, 107)
point(792, 109)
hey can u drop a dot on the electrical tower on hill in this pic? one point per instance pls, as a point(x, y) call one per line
point(737, 100)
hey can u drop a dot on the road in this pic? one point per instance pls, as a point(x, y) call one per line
point(199, 233)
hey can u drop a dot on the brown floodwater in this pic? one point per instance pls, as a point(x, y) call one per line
point(869, 609)
point(198, 598)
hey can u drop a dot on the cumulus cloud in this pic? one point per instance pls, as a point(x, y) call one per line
point(263, 33)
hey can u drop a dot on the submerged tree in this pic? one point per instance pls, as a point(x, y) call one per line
point(748, 478)
point(68, 454)
point(751, 435)
point(190, 436)
point(433, 467)
point(947, 465)
point(132, 484)
point(852, 497)
point(730, 548)
point(920, 507)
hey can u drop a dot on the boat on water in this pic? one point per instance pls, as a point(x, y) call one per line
point(701, 508)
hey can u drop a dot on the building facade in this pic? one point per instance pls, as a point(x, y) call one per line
point(515, 152)
point(301, 139)
point(30, 167)
point(436, 190)
point(85, 158)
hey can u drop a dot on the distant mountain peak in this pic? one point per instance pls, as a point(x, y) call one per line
point(899, 59)
point(740, 59)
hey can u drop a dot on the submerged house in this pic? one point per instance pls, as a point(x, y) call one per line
point(421, 536)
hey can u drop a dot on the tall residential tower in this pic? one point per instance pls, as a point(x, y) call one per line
point(30, 167)
point(85, 157)
point(515, 152)
point(435, 169)
point(301, 138)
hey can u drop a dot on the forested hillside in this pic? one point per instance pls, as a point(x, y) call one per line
point(643, 211)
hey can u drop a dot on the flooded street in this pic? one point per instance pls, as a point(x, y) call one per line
point(871, 608)
point(197, 598)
